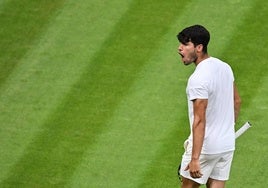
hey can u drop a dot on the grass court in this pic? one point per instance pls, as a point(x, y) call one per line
point(92, 93)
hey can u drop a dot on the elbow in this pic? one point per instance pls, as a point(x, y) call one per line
point(199, 123)
point(238, 101)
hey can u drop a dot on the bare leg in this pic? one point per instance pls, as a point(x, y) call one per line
point(187, 183)
point(215, 183)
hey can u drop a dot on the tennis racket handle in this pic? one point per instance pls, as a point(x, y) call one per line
point(242, 129)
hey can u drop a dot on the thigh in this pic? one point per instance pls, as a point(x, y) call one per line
point(187, 183)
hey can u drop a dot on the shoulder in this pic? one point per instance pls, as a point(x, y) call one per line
point(199, 79)
point(202, 71)
point(219, 62)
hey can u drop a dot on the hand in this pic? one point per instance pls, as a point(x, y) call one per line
point(194, 168)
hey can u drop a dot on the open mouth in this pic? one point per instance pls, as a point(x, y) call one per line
point(182, 56)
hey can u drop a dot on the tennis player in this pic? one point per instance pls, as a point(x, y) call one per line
point(213, 107)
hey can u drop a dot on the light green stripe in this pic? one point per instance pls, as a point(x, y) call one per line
point(39, 82)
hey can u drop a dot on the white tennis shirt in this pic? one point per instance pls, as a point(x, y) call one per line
point(213, 80)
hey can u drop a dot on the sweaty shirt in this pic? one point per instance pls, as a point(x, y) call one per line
point(213, 80)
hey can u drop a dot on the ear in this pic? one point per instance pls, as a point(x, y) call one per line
point(199, 47)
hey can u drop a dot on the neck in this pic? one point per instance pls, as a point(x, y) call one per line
point(201, 57)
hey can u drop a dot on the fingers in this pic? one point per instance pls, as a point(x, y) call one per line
point(196, 174)
point(194, 169)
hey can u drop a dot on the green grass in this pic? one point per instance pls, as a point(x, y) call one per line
point(94, 96)
point(21, 23)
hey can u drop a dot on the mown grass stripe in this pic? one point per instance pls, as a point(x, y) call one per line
point(45, 74)
point(21, 24)
point(122, 153)
point(69, 132)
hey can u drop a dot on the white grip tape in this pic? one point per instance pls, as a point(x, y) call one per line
point(243, 129)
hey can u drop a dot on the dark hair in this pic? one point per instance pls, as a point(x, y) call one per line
point(196, 34)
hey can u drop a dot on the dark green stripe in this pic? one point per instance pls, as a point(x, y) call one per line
point(55, 152)
point(21, 23)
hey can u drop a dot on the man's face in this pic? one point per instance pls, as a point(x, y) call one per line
point(187, 52)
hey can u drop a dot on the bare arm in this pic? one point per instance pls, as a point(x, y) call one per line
point(198, 128)
point(237, 102)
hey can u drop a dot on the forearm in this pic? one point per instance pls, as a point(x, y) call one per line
point(198, 133)
point(198, 138)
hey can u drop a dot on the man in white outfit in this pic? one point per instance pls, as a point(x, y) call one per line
point(213, 106)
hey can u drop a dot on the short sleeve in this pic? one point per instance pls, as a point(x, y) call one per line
point(197, 90)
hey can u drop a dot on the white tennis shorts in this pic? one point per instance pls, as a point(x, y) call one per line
point(216, 166)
